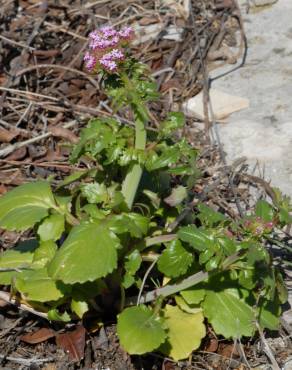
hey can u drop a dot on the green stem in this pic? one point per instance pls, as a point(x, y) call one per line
point(190, 281)
point(133, 177)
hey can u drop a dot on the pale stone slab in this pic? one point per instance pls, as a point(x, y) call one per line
point(223, 104)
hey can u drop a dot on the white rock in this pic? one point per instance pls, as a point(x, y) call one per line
point(146, 33)
point(223, 104)
point(264, 2)
point(173, 33)
point(288, 365)
point(263, 132)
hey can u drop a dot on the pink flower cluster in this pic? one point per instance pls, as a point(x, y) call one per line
point(106, 48)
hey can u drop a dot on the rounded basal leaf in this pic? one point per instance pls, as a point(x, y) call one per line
point(88, 253)
point(36, 285)
point(229, 315)
point(184, 332)
point(175, 260)
point(52, 228)
point(139, 330)
point(25, 205)
point(16, 258)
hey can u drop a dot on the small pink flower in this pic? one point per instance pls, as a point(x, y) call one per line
point(100, 43)
point(109, 65)
point(108, 31)
point(106, 47)
point(126, 33)
point(93, 35)
point(116, 54)
point(90, 61)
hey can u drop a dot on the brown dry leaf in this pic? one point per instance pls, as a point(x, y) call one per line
point(50, 367)
point(170, 84)
point(168, 366)
point(7, 136)
point(18, 154)
point(38, 336)
point(3, 79)
point(145, 21)
point(47, 53)
point(3, 189)
point(228, 350)
point(212, 346)
point(3, 303)
point(64, 133)
point(73, 343)
point(13, 177)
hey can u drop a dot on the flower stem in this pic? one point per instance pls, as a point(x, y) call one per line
point(133, 177)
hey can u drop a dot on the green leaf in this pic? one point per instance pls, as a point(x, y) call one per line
point(264, 210)
point(138, 224)
point(246, 278)
point(93, 211)
point(174, 260)
point(229, 315)
point(75, 176)
point(95, 193)
point(184, 332)
point(188, 308)
point(177, 196)
point(133, 223)
point(168, 157)
point(285, 217)
point(193, 295)
point(199, 239)
point(174, 121)
point(55, 315)
point(132, 264)
point(36, 285)
point(88, 253)
point(269, 314)
point(79, 307)
point(52, 227)
point(139, 330)
point(98, 135)
point(208, 216)
point(25, 205)
point(19, 257)
point(44, 253)
point(153, 197)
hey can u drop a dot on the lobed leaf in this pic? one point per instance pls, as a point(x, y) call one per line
point(229, 315)
point(174, 260)
point(199, 239)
